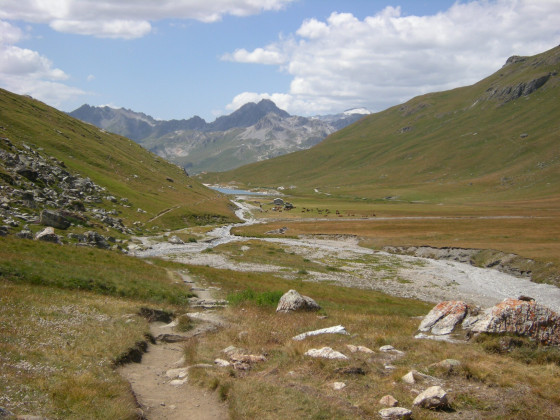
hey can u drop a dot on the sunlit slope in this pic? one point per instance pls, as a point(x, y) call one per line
point(123, 167)
point(498, 139)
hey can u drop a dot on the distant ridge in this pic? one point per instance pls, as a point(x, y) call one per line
point(254, 132)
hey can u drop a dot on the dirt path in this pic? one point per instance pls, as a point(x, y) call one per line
point(164, 393)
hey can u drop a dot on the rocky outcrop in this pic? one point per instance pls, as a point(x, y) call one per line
point(54, 219)
point(444, 317)
point(522, 316)
point(509, 93)
point(292, 301)
point(37, 188)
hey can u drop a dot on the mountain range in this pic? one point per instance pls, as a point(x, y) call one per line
point(254, 132)
point(495, 140)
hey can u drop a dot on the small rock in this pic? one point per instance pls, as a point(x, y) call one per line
point(390, 349)
point(175, 240)
point(48, 235)
point(337, 329)
point(222, 363)
point(431, 398)
point(337, 386)
point(178, 373)
point(409, 377)
point(325, 353)
point(5, 413)
point(389, 401)
point(171, 338)
point(24, 234)
point(362, 349)
point(292, 301)
point(178, 382)
point(395, 413)
point(447, 364)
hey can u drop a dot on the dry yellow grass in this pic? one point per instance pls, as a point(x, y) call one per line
point(289, 384)
point(57, 350)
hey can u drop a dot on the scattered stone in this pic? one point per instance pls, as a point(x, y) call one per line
point(362, 349)
point(179, 382)
point(177, 373)
point(337, 329)
point(409, 378)
point(48, 235)
point(414, 376)
point(222, 363)
point(445, 338)
point(5, 412)
point(325, 353)
point(171, 338)
point(432, 398)
point(395, 413)
point(3, 230)
point(351, 370)
point(293, 301)
point(443, 318)
point(390, 349)
point(447, 364)
point(525, 318)
point(96, 239)
point(24, 234)
point(175, 240)
point(155, 315)
point(389, 401)
point(337, 386)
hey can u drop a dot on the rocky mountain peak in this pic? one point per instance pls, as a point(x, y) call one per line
point(248, 115)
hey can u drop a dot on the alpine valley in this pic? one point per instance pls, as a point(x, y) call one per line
point(255, 132)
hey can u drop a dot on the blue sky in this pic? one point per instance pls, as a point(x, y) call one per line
point(179, 58)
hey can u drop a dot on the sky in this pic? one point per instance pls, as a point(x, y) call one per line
point(174, 59)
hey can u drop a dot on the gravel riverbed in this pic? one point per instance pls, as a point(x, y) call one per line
point(399, 275)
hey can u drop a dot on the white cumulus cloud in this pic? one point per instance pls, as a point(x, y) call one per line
point(386, 58)
point(126, 18)
point(25, 71)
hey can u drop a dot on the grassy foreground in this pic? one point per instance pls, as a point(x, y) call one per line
point(67, 314)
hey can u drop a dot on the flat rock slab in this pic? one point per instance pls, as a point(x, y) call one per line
point(337, 329)
point(325, 353)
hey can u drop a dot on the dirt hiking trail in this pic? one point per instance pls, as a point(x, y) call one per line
point(160, 381)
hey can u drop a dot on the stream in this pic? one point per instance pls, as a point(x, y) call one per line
point(399, 275)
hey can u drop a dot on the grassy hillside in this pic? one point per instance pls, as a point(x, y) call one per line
point(118, 164)
point(495, 140)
